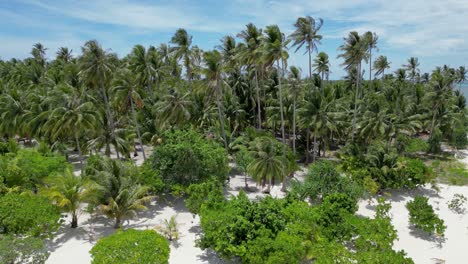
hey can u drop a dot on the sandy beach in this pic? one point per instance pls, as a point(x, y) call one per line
point(73, 245)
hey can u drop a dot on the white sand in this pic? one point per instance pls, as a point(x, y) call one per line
point(73, 245)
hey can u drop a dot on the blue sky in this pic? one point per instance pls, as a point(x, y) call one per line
point(434, 31)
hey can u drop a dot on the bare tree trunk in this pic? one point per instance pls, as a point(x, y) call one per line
point(220, 113)
point(118, 222)
point(280, 76)
point(294, 126)
point(258, 99)
point(137, 128)
point(370, 68)
point(110, 119)
point(308, 145)
point(355, 100)
point(314, 155)
point(80, 155)
point(74, 222)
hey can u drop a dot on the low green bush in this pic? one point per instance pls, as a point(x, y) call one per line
point(422, 216)
point(186, 157)
point(131, 247)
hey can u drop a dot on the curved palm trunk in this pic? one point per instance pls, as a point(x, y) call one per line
point(370, 68)
point(355, 100)
point(258, 99)
point(220, 113)
point(137, 128)
point(282, 121)
point(80, 155)
point(110, 119)
point(294, 126)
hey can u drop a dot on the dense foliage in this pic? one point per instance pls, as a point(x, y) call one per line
point(28, 168)
point(131, 247)
point(22, 250)
point(290, 231)
point(186, 157)
point(422, 216)
point(28, 214)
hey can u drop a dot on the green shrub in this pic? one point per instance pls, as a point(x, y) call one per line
point(422, 216)
point(28, 214)
point(458, 203)
point(416, 145)
point(24, 250)
point(150, 178)
point(434, 142)
point(459, 137)
point(186, 157)
point(131, 247)
point(411, 173)
point(324, 179)
point(203, 193)
point(28, 168)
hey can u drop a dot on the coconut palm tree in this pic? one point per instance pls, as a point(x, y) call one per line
point(118, 194)
point(72, 112)
point(380, 65)
point(251, 54)
point(127, 92)
point(412, 68)
point(64, 54)
point(274, 49)
point(267, 164)
point(322, 66)
point(461, 75)
point(183, 41)
point(354, 51)
point(295, 89)
point(306, 32)
point(213, 71)
point(372, 39)
point(174, 108)
point(97, 66)
point(68, 191)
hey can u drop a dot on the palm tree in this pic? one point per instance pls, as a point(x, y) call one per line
point(354, 51)
point(412, 68)
point(70, 115)
point(251, 53)
point(183, 41)
point(174, 108)
point(306, 32)
point(126, 91)
point(214, 73)
point(380, 65)
point(372, 39)
point(68, 192)
point(119, 196)
point(461, 75)
point(295, 89)
point(267, 164)
point(322, 66)
point(96, 68)
point(64, 54)
point(39, 53)
point(274, 50)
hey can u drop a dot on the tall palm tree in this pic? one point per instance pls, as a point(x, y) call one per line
point(354, 51)
point(39, 53)
point(174, 108)
point(126, 91)
point(322, 66)
point(68, 192)
point(372, 39)
point(71, 114)
point(295, 88)
point(267, 164)
point(380, 65)
point(183, 41)
point(214, 73)
point(147, 65)
point(251, 53)
point(64, 54)
point(306, 32)
point(461, 75)
point(275, 50)
point(412, 68)
point(97, 66)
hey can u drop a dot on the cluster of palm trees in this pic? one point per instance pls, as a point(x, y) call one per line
point(97, 100)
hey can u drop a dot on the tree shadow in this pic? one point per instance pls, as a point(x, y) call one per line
point(212, 257)
point(438, 241)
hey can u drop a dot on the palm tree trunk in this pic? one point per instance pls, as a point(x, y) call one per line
point(150, 87)
point(74, 222)
point(355, 100)
point(433, 121)
point(370, 68)
point(110, 119)
point(118, 222)
point(220, 113)
point(314, 155)
point(294, 126)
point(282, 120)
point(308, 144)
point(310, 69)
point(80, 155)
point(137, 128)
point(258, 99)
point(321, 84)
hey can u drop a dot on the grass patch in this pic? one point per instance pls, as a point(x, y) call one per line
point(451, 172)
